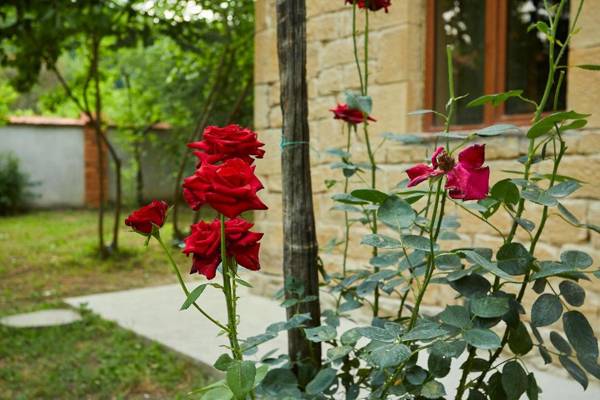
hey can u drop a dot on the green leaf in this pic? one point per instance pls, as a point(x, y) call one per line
point(489, 307)
point(322, 381)
point(433, 390)
point(505, 191)
point(243, 282)
point(335, 353)
point(544, 125)
point(560, 343)
point(193, 296)
point(494, 99)
point(223, 362)
point(389, 355)
point(396, 213)
point(484, 339)
point(321, 333)
point(551, 268)
point(519, 341)
point(416, 242)
point(538, 196)
point(358, 102)
point(377, 334)
point(499, 129)
point(572, 293)
point(449, 349)
point(486, 264)
point(385, 260)
point(217, 393)
point(424, 331)
point(457, 316)
point(514, 259)
point(575, 371)
point(448, 261)
point(580, 334)
point(439, 366)
point(380, 241)
point(589, 67)
point(471, 285)
point(240, 378)
point(370, 195)
point(514, 380)
point(576, 259)
point(546, 310)
point(351, 336)
point(533, 390)
point(563, 189)
point(339, 152)
point(347, 198)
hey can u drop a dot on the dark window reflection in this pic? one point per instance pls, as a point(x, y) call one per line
point(460, 23)
point(527, 53)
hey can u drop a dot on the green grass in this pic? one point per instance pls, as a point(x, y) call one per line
point(47, 256)
point(91, 359)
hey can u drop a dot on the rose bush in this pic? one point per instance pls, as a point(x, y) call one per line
point(403, 352)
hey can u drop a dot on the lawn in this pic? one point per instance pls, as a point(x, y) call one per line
point(46, 256)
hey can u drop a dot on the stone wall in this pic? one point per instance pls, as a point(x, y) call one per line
point(396, 64)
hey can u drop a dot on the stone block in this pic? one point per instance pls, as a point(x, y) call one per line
point(338, 52)
point(265, 57)
point(589, 21)
point(399, 53)
point(580, 95)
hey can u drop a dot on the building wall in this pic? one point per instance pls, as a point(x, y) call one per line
point(53, 159)
point(61, 158)
point(396, 64)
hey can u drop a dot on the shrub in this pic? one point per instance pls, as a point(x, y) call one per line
point(14, 185)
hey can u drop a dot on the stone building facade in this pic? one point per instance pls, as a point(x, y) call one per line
point(397, 65)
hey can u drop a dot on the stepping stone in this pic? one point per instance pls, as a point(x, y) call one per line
point(40, 319)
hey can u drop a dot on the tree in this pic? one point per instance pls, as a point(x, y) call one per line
point(300, 249)
point(37, 33)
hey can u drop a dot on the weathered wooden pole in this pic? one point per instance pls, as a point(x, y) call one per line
point(299, 238)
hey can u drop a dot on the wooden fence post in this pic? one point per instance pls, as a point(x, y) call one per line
point(300, 249)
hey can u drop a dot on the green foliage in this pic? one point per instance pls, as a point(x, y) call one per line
point(14, 185)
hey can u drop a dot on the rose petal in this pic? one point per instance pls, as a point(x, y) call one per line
point(472, 156)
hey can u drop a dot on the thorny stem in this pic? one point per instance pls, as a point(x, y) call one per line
point(362, 87)
point(229, 289)
point(346, 219)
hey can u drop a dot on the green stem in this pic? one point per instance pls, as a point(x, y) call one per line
point(183, 285)
point(230, 295)
point(366, 47)
point(346, 219)
point(362, 86)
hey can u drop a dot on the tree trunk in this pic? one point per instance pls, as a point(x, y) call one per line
point(300, 243)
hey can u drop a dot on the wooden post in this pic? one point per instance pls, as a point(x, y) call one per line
point(300, 249)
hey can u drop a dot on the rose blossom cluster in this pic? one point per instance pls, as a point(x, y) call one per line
point(224, 179)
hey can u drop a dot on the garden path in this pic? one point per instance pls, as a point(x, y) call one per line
point(153, 313)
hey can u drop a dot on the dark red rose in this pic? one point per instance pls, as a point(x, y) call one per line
point(350, 115)
point(143, 219)
point(230, 188)
point(204, 243)
point(374, 5)
point(243, 244)
point(232, 141)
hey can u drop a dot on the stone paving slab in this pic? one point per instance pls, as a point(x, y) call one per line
point(40, 319)
point(153, 313)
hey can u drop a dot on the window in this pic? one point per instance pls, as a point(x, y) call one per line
point(493, 53)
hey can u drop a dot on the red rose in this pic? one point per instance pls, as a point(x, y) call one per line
point(374, 5)
point(230, 188)
point(243, 244)
point(142, 220)
point(205, 244)
point(232, 141)
point(350, 115)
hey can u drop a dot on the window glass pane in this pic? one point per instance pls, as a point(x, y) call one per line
point(460, 23)
point(527, 54)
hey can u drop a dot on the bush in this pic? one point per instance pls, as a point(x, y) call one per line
point(14, 185)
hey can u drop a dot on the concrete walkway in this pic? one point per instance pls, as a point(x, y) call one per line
point(154, 313)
